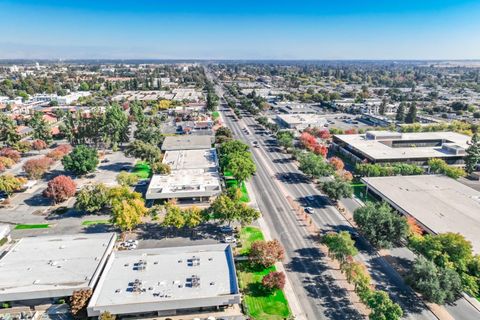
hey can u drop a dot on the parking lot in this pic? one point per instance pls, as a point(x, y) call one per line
point(30, 207)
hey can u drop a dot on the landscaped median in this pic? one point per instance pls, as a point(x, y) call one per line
point(259, 302)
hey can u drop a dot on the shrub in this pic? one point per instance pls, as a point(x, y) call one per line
point(127, 179)
point(336, 163)
point(266, 253)
point(60, 189)
point(274, 280)
point(161, 168)
point(35, 168)
point(55, 155)
point(7, 162)
point(39, 145)
point(10, 153)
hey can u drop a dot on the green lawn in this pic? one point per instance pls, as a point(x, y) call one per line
point(247, 236)
point(142, 170)
point(234, 183)
point(261, 305)
point(94, 222)
point(31, 226)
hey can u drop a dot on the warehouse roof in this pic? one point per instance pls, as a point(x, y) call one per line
point(393, 145)
point(439, 203)
point(53, 266)
point(166, 279)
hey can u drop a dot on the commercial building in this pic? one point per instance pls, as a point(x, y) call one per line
point(46, 267)
point(300, 121)
point(390, 147)
point(187, 142)
point(167, 281)
point(439, 204)
point(194, 177)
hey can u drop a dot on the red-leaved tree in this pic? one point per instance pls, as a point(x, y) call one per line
point(337, 163)
point(60, 189)
point(39, 145)
point(350, 131)
point(10, 153)
point(324, 134)
point(266, 253)
point(274, 280)
point(308, 141)
point(320, 150)
point(35, 168)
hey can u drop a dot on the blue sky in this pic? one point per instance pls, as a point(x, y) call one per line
point(160, 29)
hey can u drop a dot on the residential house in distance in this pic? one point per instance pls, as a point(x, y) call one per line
point(390, 147)
point(167, 282)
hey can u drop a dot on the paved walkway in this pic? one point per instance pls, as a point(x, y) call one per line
point(293, 302)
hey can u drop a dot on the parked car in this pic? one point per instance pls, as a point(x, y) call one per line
point(226, 229)
point(229, 239)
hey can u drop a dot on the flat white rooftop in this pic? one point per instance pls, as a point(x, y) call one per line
point(439, 203)
point(185, 183)
point(172, 278)
point(298, 119)
point(187, 142)
point(53, 266)
point(381, 145)
point(191, 159)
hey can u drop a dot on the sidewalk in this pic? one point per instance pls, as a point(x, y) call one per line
point(288, 289)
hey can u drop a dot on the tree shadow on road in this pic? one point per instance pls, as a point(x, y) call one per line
point(321, 286)
point(292, 177)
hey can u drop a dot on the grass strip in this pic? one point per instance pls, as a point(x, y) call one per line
point(31, 226)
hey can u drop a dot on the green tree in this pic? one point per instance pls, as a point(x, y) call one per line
point(337, 189)
point(314, 166)
point(380, 225)
point(8, 130)
point(173, 216)
point(10, 184)
point(340, 246)
point(285, 139)
point(411, 116)
point(92, 198)
point(241, 166)
point(127, 214)
point(472, 159)
point(81, 160)
point(115, 127)
point(161, 168)
point(149, 133)
point(192, 217)
point(127, 179)
point(227, 210)
point(400, 112)
point(41, 127)
point(436, 284)
point(223, 132)
point(383, 308)
point(144, 151)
